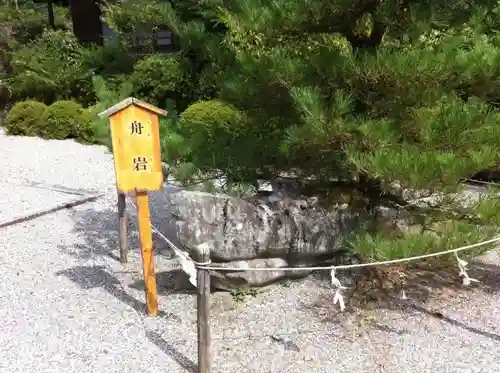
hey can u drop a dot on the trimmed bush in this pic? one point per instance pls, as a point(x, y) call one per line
point(66, 119)
point(25, 118)
point(214, 133)
point(83, 129)
point(210, 118)
point(157, 78)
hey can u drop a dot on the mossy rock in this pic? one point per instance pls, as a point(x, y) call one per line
point(25, 118)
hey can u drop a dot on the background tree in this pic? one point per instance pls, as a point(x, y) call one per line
point(370, 102)
point(383, 105)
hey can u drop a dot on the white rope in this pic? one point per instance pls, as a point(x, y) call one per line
point(185, 255)
point(189, 265)
point(361, 265)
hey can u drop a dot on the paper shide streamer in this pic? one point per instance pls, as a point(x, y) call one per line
point(338, 297)
point(462, 268)
point(188, 265)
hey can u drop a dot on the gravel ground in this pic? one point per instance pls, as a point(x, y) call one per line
point(67, 305)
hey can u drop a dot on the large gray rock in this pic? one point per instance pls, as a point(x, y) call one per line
point(256, 233)
point(244, 229)
point(272, 232)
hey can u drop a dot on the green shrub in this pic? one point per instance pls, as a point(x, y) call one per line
point(209, 119)
point(126, 17)
point(49, 69)
point(19, 26)
point(25, 118)
point(64, 119)
point(157, 78)
point(212, 132)
point(84, 130)
point(107, 60)
point(205, 83)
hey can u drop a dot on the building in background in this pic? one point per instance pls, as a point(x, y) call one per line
point(87, 24)
point(89, 28)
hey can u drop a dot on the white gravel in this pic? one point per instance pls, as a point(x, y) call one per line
point(66, 304)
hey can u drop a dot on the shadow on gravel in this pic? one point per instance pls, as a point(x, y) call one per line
point(99, 232)
point(454, 322)
point(423, 282)
point(99, 229)
point(89, 277)
point(171, 281)
point(171, 351)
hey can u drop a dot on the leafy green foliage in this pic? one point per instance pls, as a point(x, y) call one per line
point(50, 69)
point(129, 19)
point(25, 118)
point(208, 132)
point(136, 23)
point(206, 83)
point(381, 98)
point(107, 95)
point(107, 60)
point(384, 100)
point(157, 78)
point(20, 26)
point(61, 120)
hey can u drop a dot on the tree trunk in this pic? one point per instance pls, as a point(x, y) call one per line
point(87, 26)
point(50, 10)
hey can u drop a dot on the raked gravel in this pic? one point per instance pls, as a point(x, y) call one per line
point(67, 305)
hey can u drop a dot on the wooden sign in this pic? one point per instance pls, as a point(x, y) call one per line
point(136, 145)
point(136, 150)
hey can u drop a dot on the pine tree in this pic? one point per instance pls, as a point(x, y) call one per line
point(388, 103)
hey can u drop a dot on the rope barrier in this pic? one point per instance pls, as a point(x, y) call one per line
point(363, 265)
point(189, 265)
point(320, 268)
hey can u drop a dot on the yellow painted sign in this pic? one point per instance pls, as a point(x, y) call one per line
point(136, 148)
point(136, 145)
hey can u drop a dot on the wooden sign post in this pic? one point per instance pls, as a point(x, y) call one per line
point(136, 150)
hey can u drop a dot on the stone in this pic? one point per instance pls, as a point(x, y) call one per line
point(257, 232)
point(273, 229)
point(246, 229)
point(228, 280)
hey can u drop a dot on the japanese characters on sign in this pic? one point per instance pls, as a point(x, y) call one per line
point(136, 128)
point(136, 145)
point(140, 162)
point(136, 152)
